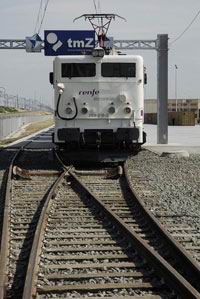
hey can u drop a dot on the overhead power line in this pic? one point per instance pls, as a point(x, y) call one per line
point(99, 6)
point(41, 15)
point(186, 29)
point(38, 16)
point(97, 9)
point(44, 13)
point(95, 6)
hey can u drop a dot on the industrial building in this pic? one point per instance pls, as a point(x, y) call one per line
point(186, 105)
point(181, 111)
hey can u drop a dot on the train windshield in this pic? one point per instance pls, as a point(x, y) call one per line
point(70, 70)
point(118, 70)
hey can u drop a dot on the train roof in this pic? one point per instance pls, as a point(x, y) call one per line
point(106, 58)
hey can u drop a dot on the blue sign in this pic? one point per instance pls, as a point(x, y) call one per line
point(62, 42)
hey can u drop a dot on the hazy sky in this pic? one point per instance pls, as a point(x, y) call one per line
point(27, 74)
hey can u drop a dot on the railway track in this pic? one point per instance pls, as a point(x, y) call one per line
point(173, 204)
point(93, 240)
point(5, 161)
point(123, 199)
point(22, 200)
point(185, 234)
point(83, 234)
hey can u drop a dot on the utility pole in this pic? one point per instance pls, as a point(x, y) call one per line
point(17, 101)
point(6, 99)
point(176, 68)
point(4, 92)
point(162, 89)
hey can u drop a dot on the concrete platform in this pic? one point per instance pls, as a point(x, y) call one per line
point(180, 138)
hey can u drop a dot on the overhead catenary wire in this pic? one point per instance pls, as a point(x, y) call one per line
point(186, 29)
point(96, 10)
point(99, 6)
point(95, 6)
point(44, 13)
point(38, 16)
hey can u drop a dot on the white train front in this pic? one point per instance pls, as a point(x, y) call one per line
point(99, 102)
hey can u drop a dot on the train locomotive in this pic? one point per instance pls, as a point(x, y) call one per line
point(99, 104)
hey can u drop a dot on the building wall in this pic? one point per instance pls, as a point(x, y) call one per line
point(183, 105)
point(150, 106)
point(174, 118)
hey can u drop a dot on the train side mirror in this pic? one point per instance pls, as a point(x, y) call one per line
point(145, 78)
point(51, 78)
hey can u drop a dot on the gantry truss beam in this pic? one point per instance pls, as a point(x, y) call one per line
point(135, 44)
point(6, 44)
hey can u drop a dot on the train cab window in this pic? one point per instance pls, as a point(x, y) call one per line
point(118, 70)
point(70, 70)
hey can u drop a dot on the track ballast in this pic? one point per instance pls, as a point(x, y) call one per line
point(81, 233)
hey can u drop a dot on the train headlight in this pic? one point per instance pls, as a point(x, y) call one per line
point(84, 110)
point(68, 110)
point(127, 110)
point(98, 52)
point(111, 110)
point(61, 88)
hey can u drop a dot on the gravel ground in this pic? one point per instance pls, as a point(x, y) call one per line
point(174, 181)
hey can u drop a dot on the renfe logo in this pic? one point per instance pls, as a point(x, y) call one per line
point(89, 92)
point(68, 42)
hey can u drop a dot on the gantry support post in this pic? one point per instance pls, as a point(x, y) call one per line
point(162, 89)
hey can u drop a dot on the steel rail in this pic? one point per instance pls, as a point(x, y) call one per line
point(4, 249)
point(188, 264)
point(4, 245)
point(29, 286)
point(109, 173)
point(172, 277)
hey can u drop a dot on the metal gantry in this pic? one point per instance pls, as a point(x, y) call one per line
point(162, 89)
point(135, 44)
point(12, 44)
point(160, 45)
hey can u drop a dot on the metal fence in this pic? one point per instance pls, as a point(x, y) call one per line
point(10, 123)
